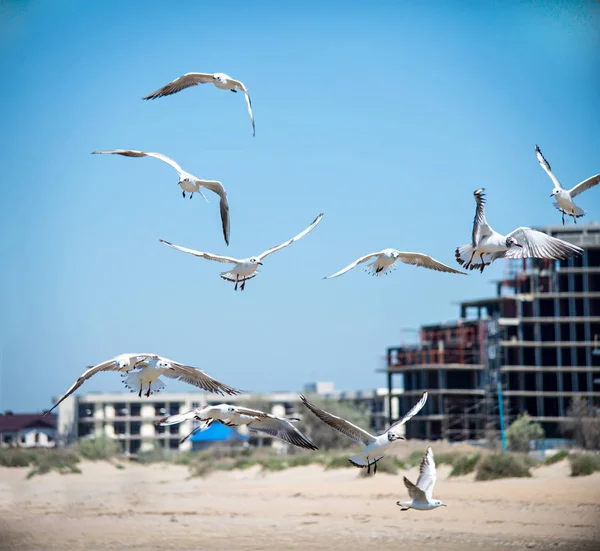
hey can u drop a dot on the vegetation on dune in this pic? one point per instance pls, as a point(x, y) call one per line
point(41, 460)
point(583, 464)
point(521, 431)
point(502, 465)
point(464, 464)
point(556, 457)
point(583, 424)
point(98, 448)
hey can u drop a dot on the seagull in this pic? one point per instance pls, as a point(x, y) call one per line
point(564, 197)
point(220, 80)
point(375, 446)
point(188, 182)
point(244, 268)
point(235, 416)
point(421, 492)
point(385, 262)
point(143, 370)
point(489, 245)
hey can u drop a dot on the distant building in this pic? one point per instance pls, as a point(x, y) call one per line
point(129, 419)
point(27, 430)
point(539, 337)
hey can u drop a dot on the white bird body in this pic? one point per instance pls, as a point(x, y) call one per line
point(421, 492)
point(375, 447)
point(564, 197)
point(235, 416)
point(220, 80)
point(488, 245)
point(245, 268)
point(385, 261)
point(187, 182)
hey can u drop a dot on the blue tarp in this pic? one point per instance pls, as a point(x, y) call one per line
point(218, 433)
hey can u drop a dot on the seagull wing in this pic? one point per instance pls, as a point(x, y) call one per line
point(414, 492)
point(341, 425)
point(424, 261)
point(282, 429)
point(414, 410)
point(290, 241)
point(109, 365)
point(208, 256)
point(133, 153)
point(181, 83)
point(240, 85)
point(197, 377)
point(427, 474)
point(535, 244)
point(480, 225)
point(586, 184)
point(202, 426)
point(177, 418)
point(546, 166)
point(217, 187)
point(353, 265)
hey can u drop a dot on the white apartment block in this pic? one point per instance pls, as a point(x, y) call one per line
point(131, 420)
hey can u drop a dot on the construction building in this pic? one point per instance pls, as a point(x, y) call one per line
point(535, 344)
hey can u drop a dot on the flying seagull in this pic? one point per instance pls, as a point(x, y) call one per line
point(188, 182)
point(420, 493)
point(235, 416)
point(142, 371)
point(489, 245)
point(385, 262)
point(564, 197)
point(374, 446)
point(220, 80)
point(244, 268)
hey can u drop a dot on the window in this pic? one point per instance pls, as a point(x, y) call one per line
point(36, 437)
point(173, 409)
point(86, 410)
point(121, 409)
point(119, 428)
point(160, 409)
point(134, 427)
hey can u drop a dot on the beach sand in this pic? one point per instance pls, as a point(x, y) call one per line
point(160, 507)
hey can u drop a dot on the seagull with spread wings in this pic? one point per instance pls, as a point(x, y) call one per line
point(421, 492)
point(385, 261)
point(188, 182)
point(143, 371)
point(235, 416)
point(564, 197)
point(244, 268)
point(374, 446)
point(220, 80)
point(489, 245)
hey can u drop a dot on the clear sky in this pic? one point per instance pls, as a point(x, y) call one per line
point(385, 116)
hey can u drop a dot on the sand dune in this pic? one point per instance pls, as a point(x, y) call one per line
point(159, 507)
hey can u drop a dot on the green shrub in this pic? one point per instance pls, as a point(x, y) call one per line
point(338, 462)
point(201, 468)
point(158, 454)
point(303, 459)
point(556, 457)
point(274, 464)
point(98, 448)
point(385, 465)
point(521, 432)
point(464, 464)
point(502, 465)
point(62, 461)
point(583, 464)
point(17, 457)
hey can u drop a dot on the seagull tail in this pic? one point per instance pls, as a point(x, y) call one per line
point(578, 213)
point(464, 253)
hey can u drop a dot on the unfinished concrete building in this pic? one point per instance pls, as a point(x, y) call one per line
point(539, 337)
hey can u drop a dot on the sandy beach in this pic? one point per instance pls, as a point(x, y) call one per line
point(160, 507)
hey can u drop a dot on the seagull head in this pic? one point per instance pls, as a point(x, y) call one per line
point(392, 436)
point(255, 260)
point(512, 242)
point(162, 364)
point(555, 191)
point(438, 503)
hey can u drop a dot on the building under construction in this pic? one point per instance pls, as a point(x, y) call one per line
point(536, 344)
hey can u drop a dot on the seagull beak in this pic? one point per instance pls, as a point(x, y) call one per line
point(552, 195)
point(517, 245)
point(260, 263)
point(444, 505)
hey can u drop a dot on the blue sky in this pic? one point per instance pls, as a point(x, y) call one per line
point(383, 115)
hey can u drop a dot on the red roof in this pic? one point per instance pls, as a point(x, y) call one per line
point(18, 421)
